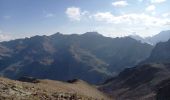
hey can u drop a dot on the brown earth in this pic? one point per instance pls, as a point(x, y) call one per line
point(48, 90)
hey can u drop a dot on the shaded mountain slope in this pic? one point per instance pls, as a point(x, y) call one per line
point(163, 90)
point(140, 82)
point(91, 56)
point(147, 81)
point(160, 54)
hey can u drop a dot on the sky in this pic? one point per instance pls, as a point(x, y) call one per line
point(114, 18)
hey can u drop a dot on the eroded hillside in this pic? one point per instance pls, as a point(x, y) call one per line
point(48, 90)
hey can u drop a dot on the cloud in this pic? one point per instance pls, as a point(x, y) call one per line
point(104, 16)
point(132, 19)
point(74, 13)
point(143, 24)
point(4, 37)
point(150, 8)
point(84, 13)
point(168, 23)
point(157, 1)
point(120, 3)
point(166, 15)
point(140, 0)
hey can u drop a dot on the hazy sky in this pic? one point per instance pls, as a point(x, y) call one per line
point(19, 18)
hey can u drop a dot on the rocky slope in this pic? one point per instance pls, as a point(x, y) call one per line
point(48, 90)
point(140, 82)
point(163, 90)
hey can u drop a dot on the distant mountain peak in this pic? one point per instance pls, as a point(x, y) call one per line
point(135, 36)
point(161, 37)
point(56, 34)
point(92, 33)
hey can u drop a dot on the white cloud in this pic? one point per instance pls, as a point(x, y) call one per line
point(85, 13)
point(166, 15)
point(143, 24)
point(74, 13)
point(157, 1)
point(168, 23)
point(131, 19)
point(120, 3)
point(140, 0)
point(150, 8)
point(107, 16)
point(4, 37)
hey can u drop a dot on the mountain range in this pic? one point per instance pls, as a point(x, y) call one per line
point(144, 69)
point(149, 80)
point(90, 56)
point(163, 36)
